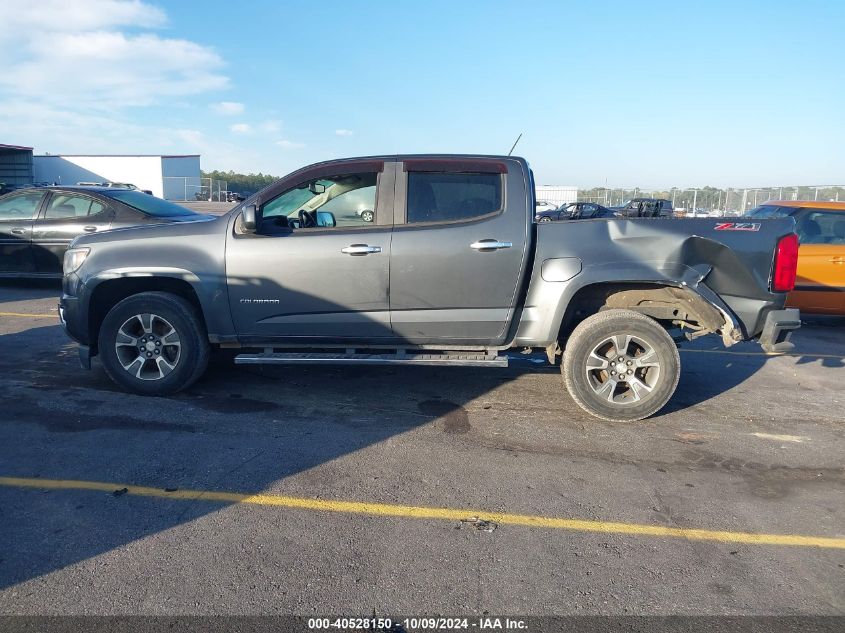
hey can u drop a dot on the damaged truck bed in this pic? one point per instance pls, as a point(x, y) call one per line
point(427, 260)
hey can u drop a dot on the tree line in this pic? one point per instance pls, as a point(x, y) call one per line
point(241, 183)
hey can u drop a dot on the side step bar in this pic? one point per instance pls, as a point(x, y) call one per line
point(402, 357)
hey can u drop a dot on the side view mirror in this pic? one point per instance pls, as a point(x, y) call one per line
point(326, 219)
point(248, 217)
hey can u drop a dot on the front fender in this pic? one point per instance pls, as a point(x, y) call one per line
point(210, 291)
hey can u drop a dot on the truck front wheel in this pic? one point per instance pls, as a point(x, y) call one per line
point(620, 365)
point(153, 343)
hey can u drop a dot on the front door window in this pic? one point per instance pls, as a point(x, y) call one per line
point(344, 201)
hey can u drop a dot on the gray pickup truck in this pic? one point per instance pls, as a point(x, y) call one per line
point(450, 269)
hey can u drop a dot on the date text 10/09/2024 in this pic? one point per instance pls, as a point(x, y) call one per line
point(416, 624)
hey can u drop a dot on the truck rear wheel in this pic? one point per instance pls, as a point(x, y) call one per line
point(620, 365)
point(154, 344)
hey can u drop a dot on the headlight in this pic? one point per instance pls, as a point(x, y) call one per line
point(74, 258)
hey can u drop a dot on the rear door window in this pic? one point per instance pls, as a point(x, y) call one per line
point(63, 206)
point(452, 197)
point(821, 227)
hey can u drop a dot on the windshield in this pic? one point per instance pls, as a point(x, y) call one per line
point(771, 211)
point(146, 203)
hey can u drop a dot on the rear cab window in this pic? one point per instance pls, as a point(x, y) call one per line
point(453, 191)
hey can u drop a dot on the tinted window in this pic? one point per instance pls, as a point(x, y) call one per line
point(20, 206)
point(146, 203)
point(771, 211)
point(821, 228)
point(443, 197)
point(66, 206)
point(349, 198)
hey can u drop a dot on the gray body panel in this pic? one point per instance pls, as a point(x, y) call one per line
point(442, 289)
point(427, 286)
point(729, 269)
point(302, 285)
point(193, 252)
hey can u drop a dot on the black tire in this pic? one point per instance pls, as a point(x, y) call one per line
point(544, 219)
point(637, 395)
point(189, 361)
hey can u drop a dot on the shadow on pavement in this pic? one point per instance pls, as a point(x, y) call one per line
point(239, 429)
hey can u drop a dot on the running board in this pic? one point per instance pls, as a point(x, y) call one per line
point(466, 359)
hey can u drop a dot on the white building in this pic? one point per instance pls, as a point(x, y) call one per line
point(170, 177)
point(556, 194)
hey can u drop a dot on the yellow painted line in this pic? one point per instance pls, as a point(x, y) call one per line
point(28, 314)
point(735, 353)
point(422, 512)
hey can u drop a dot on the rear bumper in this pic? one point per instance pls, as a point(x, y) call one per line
point(777, 329)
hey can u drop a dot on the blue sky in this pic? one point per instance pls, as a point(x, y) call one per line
point(628, 93)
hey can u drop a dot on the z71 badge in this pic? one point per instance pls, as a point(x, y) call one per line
point(738, 226)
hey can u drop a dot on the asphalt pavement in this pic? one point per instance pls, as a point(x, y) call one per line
point(349, 490)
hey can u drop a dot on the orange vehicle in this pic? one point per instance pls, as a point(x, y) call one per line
point(820, 286)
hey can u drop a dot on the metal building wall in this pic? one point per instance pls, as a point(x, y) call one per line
point(15, 165)
point(556, 194)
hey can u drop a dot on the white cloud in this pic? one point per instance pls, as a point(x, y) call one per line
point(286, 144)
point(273, 125)
point(22, 16)
point(241, 128)
point(344, 132)
point(228, 107)
point(79, 75)
point(79, 55)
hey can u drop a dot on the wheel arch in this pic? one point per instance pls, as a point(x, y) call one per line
point(108, 292)
point(669, 304)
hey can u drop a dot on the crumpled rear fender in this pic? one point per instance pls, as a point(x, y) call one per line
point(547, 301)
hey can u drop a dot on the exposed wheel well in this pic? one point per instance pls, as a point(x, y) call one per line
point(669, 305)
point(109, 293)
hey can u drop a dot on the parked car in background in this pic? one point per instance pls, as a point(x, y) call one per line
point(367, 215)
point(118, 185)
point(4, 188)
point(820, 283)
point(575, 211)
point(645, 208)
point(543, 206)
point(38, 223)
point(235, 196)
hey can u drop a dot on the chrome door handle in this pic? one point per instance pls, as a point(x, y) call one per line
point(490, 245)
point(89, 229)
point(360, 249)
point(17, 231)
point(837, 260)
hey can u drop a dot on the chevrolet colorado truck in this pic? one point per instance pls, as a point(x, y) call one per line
point(450, 270)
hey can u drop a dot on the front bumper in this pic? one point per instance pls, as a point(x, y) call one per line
point(778, 328)
point(74, 323)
